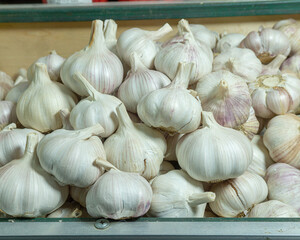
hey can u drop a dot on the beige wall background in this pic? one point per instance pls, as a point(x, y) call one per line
point(22, 43)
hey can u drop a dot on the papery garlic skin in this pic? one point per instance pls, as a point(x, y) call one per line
point(69, 155)
point(261, 158)
point(6, 83)
point(283, 183)
point(176, 194)
point(140, 148)
point(239, 61)
point(282, 139)
point(273, 209)
point(23, 180)
point(53, 62)
point(171, 143)
point(68, 210)
point(39, 105)
point(172, 108)
point(226, 95)
point(204, 35)
point(13, 142)
point(251, 126)
point(119, 195)
point(267, 43)
point(291, 66)
point(7, 113)
point(274, 94)
point(227, 41)
point(79, 194)
point(214, 153)
point(142, 42)
point(139, 82)
point(184, 49)
point(96, 63)
point(65, 118)
point(165, 167)
point(97, 108)
point(234, 197)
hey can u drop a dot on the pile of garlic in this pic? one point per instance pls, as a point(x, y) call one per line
point(200, 125)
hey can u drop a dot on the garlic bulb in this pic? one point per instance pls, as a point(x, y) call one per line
point(214, 153)
point(226, 95)
point(97, 108)
point(274, 94)
point(7, 113)
point(235, 197)
point(291, 29)
point(139, 82)
point(65, 118)
point(251, 126)
point(142, 42)
point(69, 155)
point(172, 108)
point(176, 194)
point(96, 63)
point(291, 66)
point(273, 68)
point(26, 190)
point(239, 61)
point(165, 167)
point(13, 142)
point(110, 35)
point(68, 210)
point(53, 62)
point(184, 48)
point(118, 195)
point(261, 158)
point(79, 194)
point(204, 35)
point(6, 83)
point(171, 146)
point(272, 209)
point(282, 139)
point(267, 43)
point(16, 92)
point(39, 105)
point(140, 149)
point(227, 41)
point(283, 182)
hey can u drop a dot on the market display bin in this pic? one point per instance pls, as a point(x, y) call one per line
point(30, 31)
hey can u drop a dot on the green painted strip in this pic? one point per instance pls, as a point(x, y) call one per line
point(159, 10)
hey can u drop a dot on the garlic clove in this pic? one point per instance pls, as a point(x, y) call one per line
point(7, 113)
point(6, 83)
point(259, 104)
point(278, 101)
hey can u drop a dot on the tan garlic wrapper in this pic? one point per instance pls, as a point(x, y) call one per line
point(6, 83)
point(282, 139)
point(226, 95)
point(235, 197)
point(251, 126)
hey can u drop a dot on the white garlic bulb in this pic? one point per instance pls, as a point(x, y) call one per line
point(118, 195)
point(6, 83)
point(139, 82)
point(26, 190)
point(68, 210)
point(283, 182)
point(267, 43)
point(7, 113)
point(226, 95)
point(274, 94)
point(79, 194)
point(261, 158)
point(184, 48)
point(281, 139)
point(172, 108)
point(97, 108)
point(96, 63)
point(204, 35)
point(172, 141)
point(13, 142)
point(239, 61)
point(69, 155)
point(39, 105)
point(251, 126)
point(291, 66)
point(272, 209)
point(235, 197)
point(16, 92)
point(140, 149)
point(176, 194)
point(213, 152)
point(142, 42)
point(53, 62)
point(228, 40)
point(110, 35)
